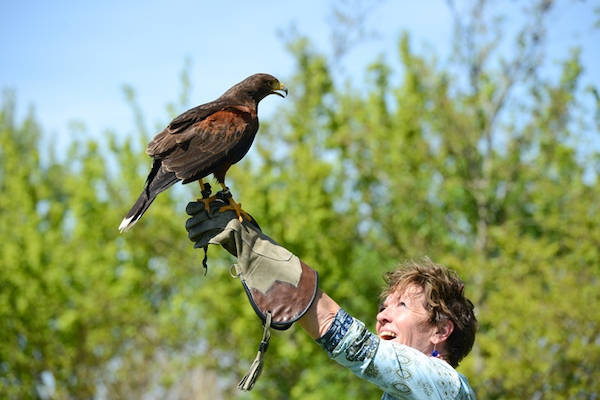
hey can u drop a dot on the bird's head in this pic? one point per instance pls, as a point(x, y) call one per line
point(259, 86)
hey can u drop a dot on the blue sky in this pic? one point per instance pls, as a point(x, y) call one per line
point(70, 59)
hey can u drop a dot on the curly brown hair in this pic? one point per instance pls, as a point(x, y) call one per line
point(444, 300)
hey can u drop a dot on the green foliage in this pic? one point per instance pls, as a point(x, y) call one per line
point(78, 301)
point(486, 175)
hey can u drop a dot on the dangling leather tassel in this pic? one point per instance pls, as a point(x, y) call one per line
point(204, 264)
point(248, 381)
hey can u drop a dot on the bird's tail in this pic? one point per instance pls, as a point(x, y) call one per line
point(158, 180)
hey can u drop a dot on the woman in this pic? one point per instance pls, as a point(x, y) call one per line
point(425, 325)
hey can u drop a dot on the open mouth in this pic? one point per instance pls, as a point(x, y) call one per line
point(387, 335)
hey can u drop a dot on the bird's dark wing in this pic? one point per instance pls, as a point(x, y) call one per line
point(191, 116)
point(178, 130)
point(212, 143)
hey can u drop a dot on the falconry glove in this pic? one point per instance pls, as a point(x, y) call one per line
point(280, 287)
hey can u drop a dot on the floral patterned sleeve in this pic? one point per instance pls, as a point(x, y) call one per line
point(402, 372)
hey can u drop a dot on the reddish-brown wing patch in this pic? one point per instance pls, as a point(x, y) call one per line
point(211, 144)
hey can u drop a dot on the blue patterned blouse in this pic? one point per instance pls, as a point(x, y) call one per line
point(402, 372)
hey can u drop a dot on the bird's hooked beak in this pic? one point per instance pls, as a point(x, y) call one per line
point(279, 89)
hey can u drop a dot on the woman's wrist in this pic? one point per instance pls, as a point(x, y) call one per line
point(320, 315)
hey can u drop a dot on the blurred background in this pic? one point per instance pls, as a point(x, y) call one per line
point(465, 131)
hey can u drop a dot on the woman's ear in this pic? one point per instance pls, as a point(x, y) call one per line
point(443, 331)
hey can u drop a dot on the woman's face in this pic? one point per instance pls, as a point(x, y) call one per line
point(402, 318)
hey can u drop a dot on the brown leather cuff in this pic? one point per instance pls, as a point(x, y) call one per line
point(286, 302)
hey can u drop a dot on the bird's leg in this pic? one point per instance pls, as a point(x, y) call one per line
point(237, 207)
point(206, 194)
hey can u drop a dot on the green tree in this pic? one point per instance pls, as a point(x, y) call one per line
point(83, 308)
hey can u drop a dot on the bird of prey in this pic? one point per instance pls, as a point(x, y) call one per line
point(207, 139)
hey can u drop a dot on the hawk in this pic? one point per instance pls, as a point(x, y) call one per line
point(207, 139)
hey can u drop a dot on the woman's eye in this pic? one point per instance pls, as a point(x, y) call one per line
point(381, 308)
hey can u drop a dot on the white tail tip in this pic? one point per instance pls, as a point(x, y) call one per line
point(126, 224)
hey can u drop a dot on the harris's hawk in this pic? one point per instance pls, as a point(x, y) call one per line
point(205, 140)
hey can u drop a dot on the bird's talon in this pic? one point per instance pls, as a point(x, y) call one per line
point(237, 208)
point(206, 201)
